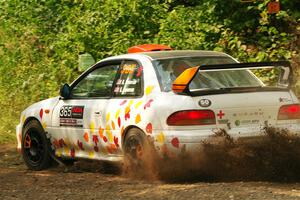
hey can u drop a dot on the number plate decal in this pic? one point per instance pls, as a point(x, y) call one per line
point(71, 116)
point(204, 103)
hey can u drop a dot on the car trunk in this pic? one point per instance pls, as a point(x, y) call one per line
point(247, 113)
point(242, 96)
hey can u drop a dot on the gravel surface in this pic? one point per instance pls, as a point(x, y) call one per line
point(87, 180)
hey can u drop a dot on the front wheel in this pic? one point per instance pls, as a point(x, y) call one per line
point(35, 147)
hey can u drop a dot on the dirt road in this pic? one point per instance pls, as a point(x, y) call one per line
point(89, 181)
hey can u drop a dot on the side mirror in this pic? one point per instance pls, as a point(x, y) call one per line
point(65, 91)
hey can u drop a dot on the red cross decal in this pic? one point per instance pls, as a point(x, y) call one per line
point(220, 114)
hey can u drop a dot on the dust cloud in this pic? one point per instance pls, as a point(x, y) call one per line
point(275, 156)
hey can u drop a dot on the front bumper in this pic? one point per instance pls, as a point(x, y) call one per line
point(19, 137)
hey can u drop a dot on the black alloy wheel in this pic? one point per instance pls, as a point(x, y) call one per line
point(35, 147)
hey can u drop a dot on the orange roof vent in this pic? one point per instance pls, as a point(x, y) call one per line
point(148, 47)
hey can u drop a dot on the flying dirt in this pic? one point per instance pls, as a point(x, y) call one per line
point(275, 156)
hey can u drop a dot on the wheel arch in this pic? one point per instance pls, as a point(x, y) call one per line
point(29, 119)
point(126, 130)
point(45, 158)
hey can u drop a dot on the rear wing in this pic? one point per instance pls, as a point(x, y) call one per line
point(182, 82)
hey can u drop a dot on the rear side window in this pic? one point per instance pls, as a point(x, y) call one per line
point(129, 80)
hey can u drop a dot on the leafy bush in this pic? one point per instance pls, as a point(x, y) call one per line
point(40, 40)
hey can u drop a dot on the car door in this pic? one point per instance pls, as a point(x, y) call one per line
point(122, 109)
point(78, 120)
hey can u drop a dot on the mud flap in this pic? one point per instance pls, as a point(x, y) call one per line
point(53, 156)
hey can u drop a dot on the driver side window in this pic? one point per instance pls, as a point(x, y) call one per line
point(97, 83)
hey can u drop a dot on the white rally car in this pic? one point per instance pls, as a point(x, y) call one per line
point(175, 98)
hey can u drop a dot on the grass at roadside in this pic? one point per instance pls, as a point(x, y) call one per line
point(7, 137)
point(8, 129)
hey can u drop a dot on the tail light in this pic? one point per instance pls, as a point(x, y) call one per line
point(289, 112)
point(192, 117)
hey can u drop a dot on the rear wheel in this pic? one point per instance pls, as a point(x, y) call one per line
point(35, 147)
point(139, 155)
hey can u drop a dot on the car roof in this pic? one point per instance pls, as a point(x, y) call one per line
point(181, 53)
point(154, 55)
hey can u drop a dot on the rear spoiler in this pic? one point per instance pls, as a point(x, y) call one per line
point(182, 82)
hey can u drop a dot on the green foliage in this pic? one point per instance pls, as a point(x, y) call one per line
point(40, 40)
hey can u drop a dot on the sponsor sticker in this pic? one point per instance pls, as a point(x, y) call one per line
point(131, 82)
point(246, 121)
point(245, 114)
point(71, 116)
point(128, 68)
point(128, 90)
point(120, 82)
point(223, 121)
point(282, 99)
point(253, 121)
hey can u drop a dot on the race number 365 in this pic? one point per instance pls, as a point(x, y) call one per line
point(71, 112)
point(65, 111)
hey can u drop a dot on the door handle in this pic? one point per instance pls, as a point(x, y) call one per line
point(98, 112)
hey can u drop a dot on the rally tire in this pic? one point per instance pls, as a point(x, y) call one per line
point(138, 153)
point(36, 147)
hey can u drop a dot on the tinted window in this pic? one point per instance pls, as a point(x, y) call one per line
point(129, 79)
point(224, 79)
point(98, 83)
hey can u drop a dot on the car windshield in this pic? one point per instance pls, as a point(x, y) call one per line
point(169, 69)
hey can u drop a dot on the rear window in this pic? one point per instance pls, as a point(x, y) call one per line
point(224, 79)
point(168, 70)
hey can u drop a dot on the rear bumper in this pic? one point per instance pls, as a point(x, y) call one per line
point(191, 140)
point(19, 137)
